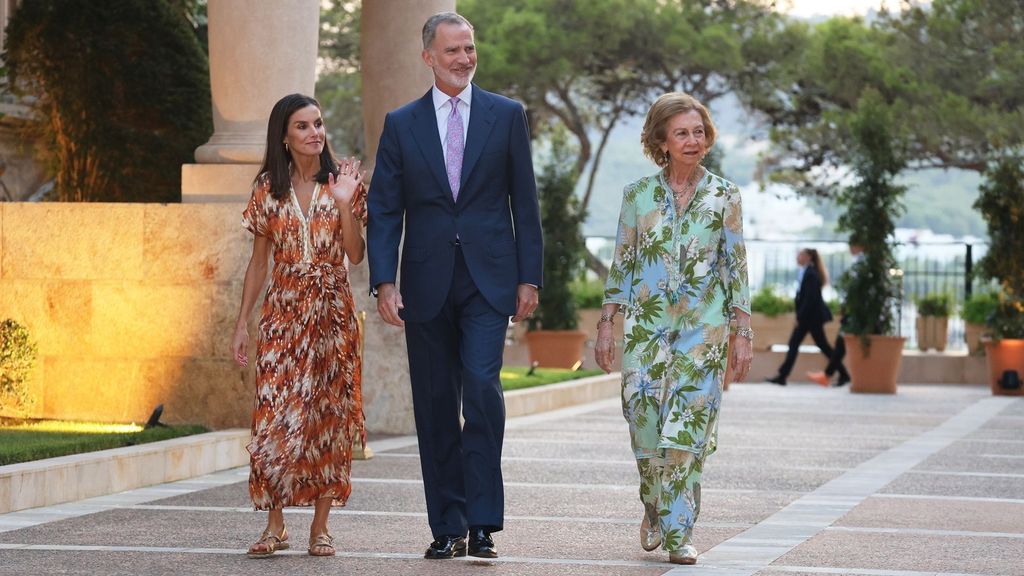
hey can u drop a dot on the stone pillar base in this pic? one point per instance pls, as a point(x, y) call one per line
point(205, 183)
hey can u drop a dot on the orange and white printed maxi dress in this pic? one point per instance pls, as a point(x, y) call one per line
point(308, 406)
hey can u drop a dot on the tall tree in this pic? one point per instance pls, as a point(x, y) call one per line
point(122, 94)
point(588, 65)
point(949, 69)
point(339, 84)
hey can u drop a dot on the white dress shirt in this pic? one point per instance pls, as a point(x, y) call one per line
point(443, 109)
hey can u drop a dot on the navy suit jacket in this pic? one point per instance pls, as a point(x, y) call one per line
point(496, 219)
point(810, 305)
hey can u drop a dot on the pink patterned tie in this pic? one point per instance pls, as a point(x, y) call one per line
point(455, 146)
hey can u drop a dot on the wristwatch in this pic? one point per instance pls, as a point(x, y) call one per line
point(746, 332)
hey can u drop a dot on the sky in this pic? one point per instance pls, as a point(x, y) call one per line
point(810, 8)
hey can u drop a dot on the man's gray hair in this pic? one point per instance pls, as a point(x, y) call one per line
point(430, 27)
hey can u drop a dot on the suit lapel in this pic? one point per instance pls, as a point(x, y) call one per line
point(481, 121)
point(424, 131)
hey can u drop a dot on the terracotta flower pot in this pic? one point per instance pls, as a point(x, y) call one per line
point(932, 332)
point(1003, 355)
point(874, 371)
point(771, 330)
point(556, 348)
point(973, 334)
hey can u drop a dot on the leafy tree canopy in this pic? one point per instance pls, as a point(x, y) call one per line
point(122, 94)
point(946, 73)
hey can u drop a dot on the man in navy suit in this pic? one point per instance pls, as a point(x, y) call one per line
point(454, 171)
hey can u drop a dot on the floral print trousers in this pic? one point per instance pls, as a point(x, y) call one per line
point(670, 492)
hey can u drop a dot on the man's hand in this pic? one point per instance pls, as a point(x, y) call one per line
point(389, 302)
point(526, 302)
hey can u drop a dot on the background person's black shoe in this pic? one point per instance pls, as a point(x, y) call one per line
point(780, 380)
point(446, 547)
point(480, 544)
point(842, 381)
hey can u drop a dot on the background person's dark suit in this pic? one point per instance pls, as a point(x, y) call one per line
point(811, 316)
point(462, 262)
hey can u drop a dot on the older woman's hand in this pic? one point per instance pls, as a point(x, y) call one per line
point(742, 351)
point(604, 349)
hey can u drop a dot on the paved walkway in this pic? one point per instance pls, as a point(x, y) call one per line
point(807, 481)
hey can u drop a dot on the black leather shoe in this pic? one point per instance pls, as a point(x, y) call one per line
point(480, 544)
point(780, 380)
point(446, 547)
point(842, 381)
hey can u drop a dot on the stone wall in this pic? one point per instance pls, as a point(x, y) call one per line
point(133, 305)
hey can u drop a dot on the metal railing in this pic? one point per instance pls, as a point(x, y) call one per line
point(924, 268)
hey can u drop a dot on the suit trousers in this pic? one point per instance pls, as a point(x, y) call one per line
point(835, 362)
point(455, 363)
point(817, 332)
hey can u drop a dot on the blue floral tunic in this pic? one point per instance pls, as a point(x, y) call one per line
point(677, 278)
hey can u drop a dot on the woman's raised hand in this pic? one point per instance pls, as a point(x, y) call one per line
point(348, 181)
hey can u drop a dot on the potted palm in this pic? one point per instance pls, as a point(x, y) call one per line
point(553, 339)
point(872, 205)
point(933, 312)
point(1001, 202)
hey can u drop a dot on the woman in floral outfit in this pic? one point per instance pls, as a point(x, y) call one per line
point(679, 276)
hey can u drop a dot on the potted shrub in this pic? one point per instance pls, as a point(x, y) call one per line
point(553, 339)
point(771, 317)
point(976, 313)
point(1001, 202)
point(872, 205)
point(933, 312)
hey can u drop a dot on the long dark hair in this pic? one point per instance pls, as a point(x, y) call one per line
point(277, 158)
point(816, 262)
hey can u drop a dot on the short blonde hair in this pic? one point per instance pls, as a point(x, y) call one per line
point(666, 107)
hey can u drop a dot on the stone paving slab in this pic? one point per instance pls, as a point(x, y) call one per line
point(975, 486)
point(721, 506)
point(891, 552)
point(806, 481)
point(986, 448)
point(937, 514)
point(230, 563)
point(950, 460)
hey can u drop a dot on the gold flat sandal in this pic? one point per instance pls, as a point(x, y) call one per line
point(271, 541)
point(319, 542)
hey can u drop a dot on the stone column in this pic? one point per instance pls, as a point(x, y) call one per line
point(393, 74)
point(259, 52)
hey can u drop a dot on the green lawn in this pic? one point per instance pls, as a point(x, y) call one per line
point(47, 439)
point(513, 378)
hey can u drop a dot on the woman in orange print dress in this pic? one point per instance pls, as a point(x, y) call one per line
point(306, 210)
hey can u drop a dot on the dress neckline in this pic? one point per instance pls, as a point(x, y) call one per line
point(312, 201)
point(671, 193)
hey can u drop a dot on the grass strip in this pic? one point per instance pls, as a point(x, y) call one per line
point(514, 377)
point(24, 443)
